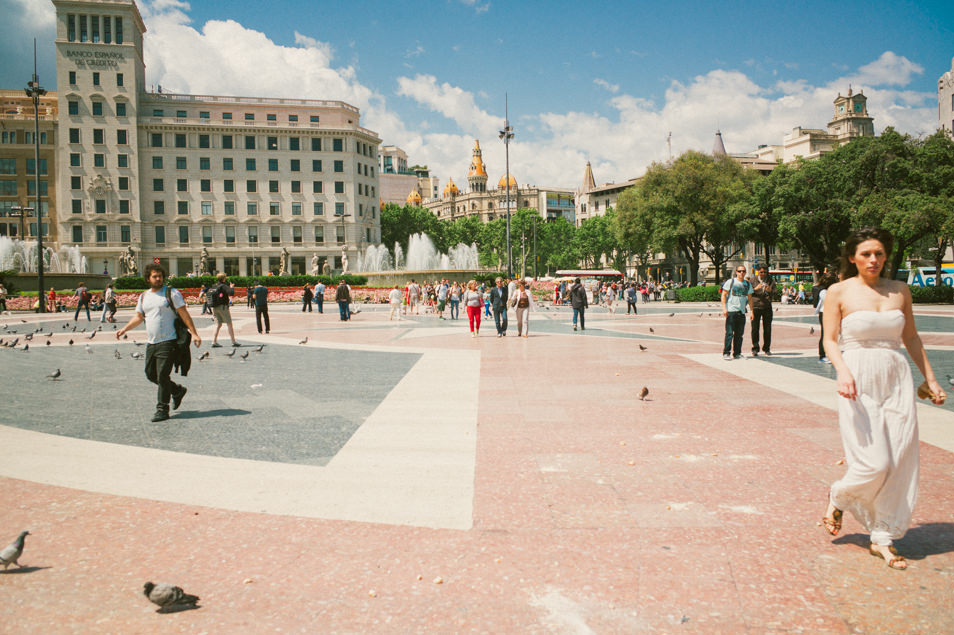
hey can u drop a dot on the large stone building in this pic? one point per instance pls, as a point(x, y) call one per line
point(401, 184)
point(945, 100)
point(488, 204)
point(251, 181)
point(593, 200)
point(17, 165)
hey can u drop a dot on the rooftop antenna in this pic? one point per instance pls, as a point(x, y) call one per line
point(669, 144)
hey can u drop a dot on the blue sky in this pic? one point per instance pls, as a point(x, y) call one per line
point(603, 82)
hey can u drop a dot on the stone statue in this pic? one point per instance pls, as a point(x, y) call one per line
point(282, 263)
point(314, 264)
point(204, 265)
point(344, 261)
point(127, 262)
point(326, 268)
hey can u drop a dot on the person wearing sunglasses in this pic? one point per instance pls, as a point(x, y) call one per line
point(736, 301)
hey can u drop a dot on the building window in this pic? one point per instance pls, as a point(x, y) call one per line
point(125, 235)
point(250, 186)
point(94, 28)
point(313, 118)
point(122, 160)
point(77, 206)
point(203, 141)
point(316, 144)
point(205, 163)
point(339, 234)
point(157, 112)
point(182, 208)
point(120, 109)
point(296, 187)
point(250, 116)
point(253, 233)
point(180, 140)
point(251, 208)
point(339, 166)
point(95, 78)
point(249, 142)
point(316, 165)
point(182, 185)
point(337, 145)
point(123, 183)
point(229, 208)
point(98, 136)
point(156, 140)
point(276, 233)
point(316, 187)
point(296, 233)
point(122, 137)
point(206, 208)
point(31, 166)
point(250, 165)
point(339, 209)
point(156, 163)
point(72, 107)
point(230, 233)
point(273, 186)
point(99, 160)
point(292, 118)
point(319, 208)
point(77, 233)
point(181, 163)
point(228, 185)
point(203, 114)
point(119, 80)
point(272, 143)
point(101, 233)
point(226, 142)
point(97, 109)
point(9, 166)
point(339, 187)
point(72, 78)
point(296, 209)
point(157, 185)
point(119, 30)
point(158, 207)
point(71, 36)
point(294, 143)
point(205, 185)
point(181, 114)
point(319, 234)
point(295, 165)
point(183, 234)
point(274, 209)
point(227, 164)
point(273, 165)
point(160, 235)
point(227, 115)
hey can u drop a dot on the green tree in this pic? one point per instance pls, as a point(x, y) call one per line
point(398, 223)
point(555, 246)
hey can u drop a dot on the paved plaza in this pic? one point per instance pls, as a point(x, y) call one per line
point(401, 476)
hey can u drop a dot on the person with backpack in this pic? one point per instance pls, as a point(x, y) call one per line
point(84, 296)
point(222, 293)
point(306, 297)
point(736, 299)
point(159, 307)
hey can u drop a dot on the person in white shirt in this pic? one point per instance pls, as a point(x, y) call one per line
point(158, 307)
point(522, 299)
point(395, 299)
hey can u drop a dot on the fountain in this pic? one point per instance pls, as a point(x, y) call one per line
point(62, 269)
point(423, 261)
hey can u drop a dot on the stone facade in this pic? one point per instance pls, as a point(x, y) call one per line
point(945, 100)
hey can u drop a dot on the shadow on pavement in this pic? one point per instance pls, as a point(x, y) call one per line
point(202, 414)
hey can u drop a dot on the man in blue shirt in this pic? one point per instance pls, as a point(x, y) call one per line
point(736, 299)
point(320, 296)
point(159, 310)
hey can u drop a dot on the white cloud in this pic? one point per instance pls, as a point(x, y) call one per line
point(613, 88)
point(33, 14)
point(477, 6)
point(453, 102)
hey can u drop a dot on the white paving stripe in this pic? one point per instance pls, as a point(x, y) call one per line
point(405, 465)
point(935, 425)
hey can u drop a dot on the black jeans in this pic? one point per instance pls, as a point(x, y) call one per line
point(763, 318)
point(500, 319)
point(306, 306)
point(631, 306)
point(734, 329)
point(159, 368)
point(261, 311)
point(821, 337)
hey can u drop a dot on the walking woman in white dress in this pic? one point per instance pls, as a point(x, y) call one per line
point(876, 412)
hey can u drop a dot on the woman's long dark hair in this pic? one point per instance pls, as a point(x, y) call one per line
point(855, 238)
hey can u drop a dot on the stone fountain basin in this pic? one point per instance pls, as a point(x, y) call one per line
point(401, 277)
point(28, 281)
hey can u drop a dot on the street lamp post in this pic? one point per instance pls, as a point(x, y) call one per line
point(34, 92)
point(507, 134)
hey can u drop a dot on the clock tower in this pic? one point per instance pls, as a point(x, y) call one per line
point(851, 117)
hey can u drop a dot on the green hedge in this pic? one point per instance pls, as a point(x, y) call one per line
point(138, 282)
point(919, 295)
point(932, 295)
point(698, 294)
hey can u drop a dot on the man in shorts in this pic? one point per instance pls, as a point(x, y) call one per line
point(221, 294)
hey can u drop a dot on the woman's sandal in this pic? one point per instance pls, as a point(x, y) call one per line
point(833, 524)
point(898, 563)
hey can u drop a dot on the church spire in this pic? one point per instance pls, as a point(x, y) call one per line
point(589, 183)
point(718, 148)
point(477, 176)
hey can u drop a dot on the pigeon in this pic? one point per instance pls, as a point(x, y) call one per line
point(651, 330)
point(642, 348)
point(83, 330)
point(89, 349)
point(12, 552)
point(74, 329)
point(117, 355)
point(136, 343)
point(28, 337)
point(671, 314)
point(244, 355)
point(811, 331)
point(71, 342)
point(26, 347)
point(164, 595)
point(137, 355)
point(950, 380)
point(47, 342)
point(232, 354)
point(6, 326)
point(49, 335)
point(91, 335)
point(55, 374)
point(22, 320)
point(259, 349)
point(304, 341)
point(125, 337)
point(643, 392)
point(204, 356)
point(14, 343)
point(254, 386)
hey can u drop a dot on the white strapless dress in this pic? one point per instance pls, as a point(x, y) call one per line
point(879, 429)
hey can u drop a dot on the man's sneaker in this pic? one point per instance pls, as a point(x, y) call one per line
point(767, 353)
point(736, 357)
point(574, 327)
point(216, 345)
point(824, 360)
point(755, 353)
point(161, 415)
point(235, 344)
point(177, 398)
point(727, 357)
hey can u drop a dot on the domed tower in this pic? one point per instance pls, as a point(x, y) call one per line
point(477, 176)
point(450, 190)
point(502, 184)
point(851, 117)
point(413, 198)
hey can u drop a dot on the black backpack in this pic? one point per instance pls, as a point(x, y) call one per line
point(220, 296)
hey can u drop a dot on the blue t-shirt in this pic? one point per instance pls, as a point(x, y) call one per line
point(738, 294)
point(261, 295)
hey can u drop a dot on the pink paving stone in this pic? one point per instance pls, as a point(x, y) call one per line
point(567, 535)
